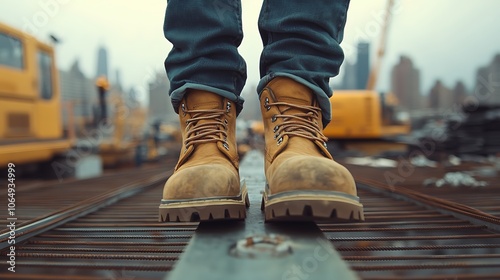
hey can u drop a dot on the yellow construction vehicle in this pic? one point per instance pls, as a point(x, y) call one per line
point(128, 125)
point(30, 100)
point(31, 127)
point(365, 120)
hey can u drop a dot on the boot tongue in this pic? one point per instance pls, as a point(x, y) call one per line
point(202, 100)
point(207, 101)
point(288, 91)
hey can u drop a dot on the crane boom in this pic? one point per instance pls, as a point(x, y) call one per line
point(374, 71)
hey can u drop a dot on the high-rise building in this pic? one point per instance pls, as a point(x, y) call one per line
point(440, 97)
point(487, 89)
point(362, 65)
point(160, 107)
point(251, 102)
point(118, 80)
point(102, 62)
point(405, 80)
point(349, 78)
point(459, 93)
point(78, 89)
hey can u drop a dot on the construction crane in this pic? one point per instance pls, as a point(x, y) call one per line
point(374, 72)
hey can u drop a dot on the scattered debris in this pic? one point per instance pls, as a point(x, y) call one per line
point(471, 132)
point(488, 172)
point(454, 160)
point(422, 161)
point(495, 161)
point(455, 179)
point(373, 162)
point(474, 158)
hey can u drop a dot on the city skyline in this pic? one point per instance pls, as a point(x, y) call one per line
point(138, 47)
point(79, 89)
point(405, 84)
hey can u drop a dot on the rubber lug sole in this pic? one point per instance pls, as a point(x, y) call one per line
point(210, 209)
point(312, 207)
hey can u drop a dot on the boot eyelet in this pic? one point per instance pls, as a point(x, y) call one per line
point(226, 122)
point(226, 146)
point(228, 107)
point(325, 145)
point(183, 107)
point(274, 118)
point(276, 136)
point(276, 128)
point(280, 141)
point(266, 104)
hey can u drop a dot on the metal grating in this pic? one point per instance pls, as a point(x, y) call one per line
point(402, 238)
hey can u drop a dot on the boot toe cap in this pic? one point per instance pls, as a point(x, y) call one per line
point(304, 173)
point(204, 181)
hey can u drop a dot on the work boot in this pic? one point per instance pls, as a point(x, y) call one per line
point(205, 184)
point(303, 180)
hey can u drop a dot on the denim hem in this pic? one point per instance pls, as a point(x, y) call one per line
point(177, 95)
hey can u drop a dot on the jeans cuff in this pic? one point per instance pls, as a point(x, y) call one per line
point(177, 95)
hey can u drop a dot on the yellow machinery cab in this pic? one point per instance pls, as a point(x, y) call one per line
point(30, 100)
point(366, 121)
point(355, 115)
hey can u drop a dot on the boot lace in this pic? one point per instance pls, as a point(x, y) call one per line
point(302, 124)
point(204, 126)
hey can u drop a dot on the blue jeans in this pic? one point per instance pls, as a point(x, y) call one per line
point(301, 40)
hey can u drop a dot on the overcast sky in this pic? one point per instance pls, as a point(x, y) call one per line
point(447, 39)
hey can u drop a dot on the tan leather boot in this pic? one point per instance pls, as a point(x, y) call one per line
point(205, 184)
point(303, 180)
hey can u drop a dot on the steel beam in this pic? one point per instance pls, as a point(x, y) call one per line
point(254, 249)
